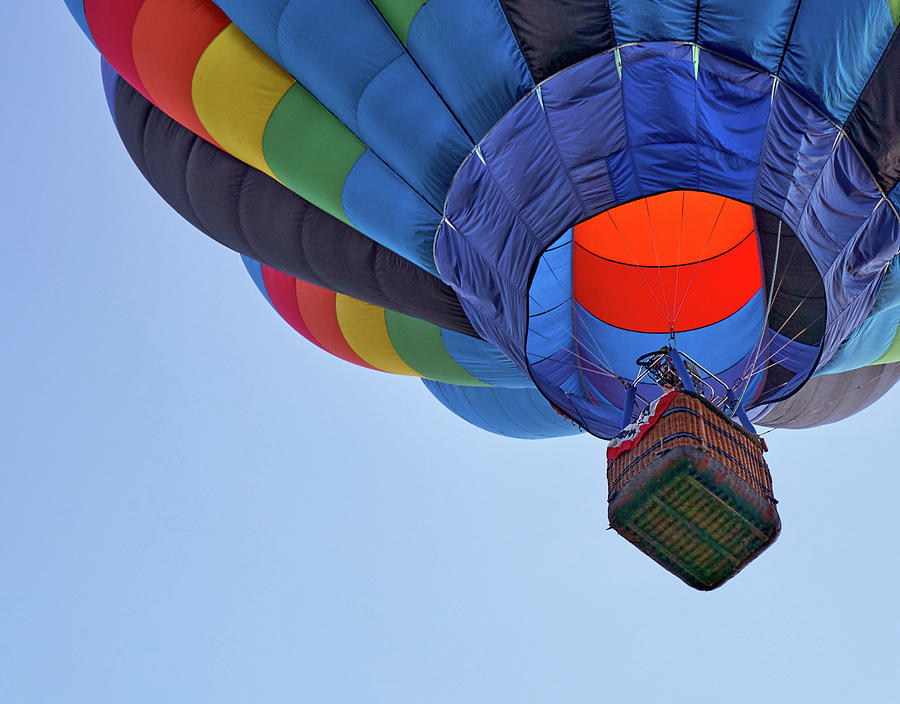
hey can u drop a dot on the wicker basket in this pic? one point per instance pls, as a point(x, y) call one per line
point(694, 493)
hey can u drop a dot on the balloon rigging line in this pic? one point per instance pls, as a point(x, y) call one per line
point(678, 252)
point(700, 260)
point(762, 332)
point(769, 356)
point(576, 348)
point(771, 363)
point(580, 422)
point(781, 280)
point(605, 360)
point(829, 404)
point(662, 283)
point(783, 347)
point(593, 366)
point(639, 267)
point(803, 300)
point(553, 271)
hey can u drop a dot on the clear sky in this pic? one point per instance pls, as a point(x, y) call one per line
point(196, 505)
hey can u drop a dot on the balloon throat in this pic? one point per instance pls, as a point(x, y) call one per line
point(673, 370)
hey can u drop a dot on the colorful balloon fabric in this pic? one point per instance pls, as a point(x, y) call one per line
point(515, 199)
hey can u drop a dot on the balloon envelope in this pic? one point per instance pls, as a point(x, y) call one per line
point(514, 200)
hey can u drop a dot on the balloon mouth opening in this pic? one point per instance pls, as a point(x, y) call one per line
point(691, 270)
point(668, 263)
point(689, 217)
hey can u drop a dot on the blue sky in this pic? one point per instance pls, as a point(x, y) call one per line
point(197, 505)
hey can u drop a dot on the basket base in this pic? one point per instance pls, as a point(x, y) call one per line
point(694, 517)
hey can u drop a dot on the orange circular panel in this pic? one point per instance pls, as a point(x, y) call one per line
point(667, 229)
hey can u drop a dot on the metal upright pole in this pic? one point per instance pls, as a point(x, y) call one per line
point(678, 362)
point(740, 412)
point(629, 405)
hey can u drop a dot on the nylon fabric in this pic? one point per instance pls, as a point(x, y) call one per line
point(484, 361)
point(251, 213)
point(579, 400)
point(235, 89)
point(831, 398)
point(110, 79)
point(832, 73)
point(308, 312)
point(548, 195)
point(76, 7)
point(686, 259)
point(110, 24)
point(318, 306)
point(786, 364)
point(555, 34)
point(754, 32)
point(862, 261)
point(380, 133)
point(667, 229)
point(799, 142)
point(887, 306)
point(315, 162)
point(648, 20)
point(892, 353)
point(158, 160)
point(282, 293)
point(421, 346)
point(237, 97)
point(798, 307)
point(712, 126)
point(374, 338)
point(722, 113)
point(875, 340)
point(259, 20)
point(551, 335)
point(718, 346)
point(365, 330)
point(187, 29)
point(515, 413)
point(346, 55)
point(874, 122)
point(667, 298)
point(843, 323)
point(469, 54)
point(399, 14)
point(378, 203)
point(551, 285)
point(254, 268)
point(590, 95)
point(577, 375)
point(464, 48)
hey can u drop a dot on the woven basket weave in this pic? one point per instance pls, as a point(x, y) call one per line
point(692, 421)
point(694, 493)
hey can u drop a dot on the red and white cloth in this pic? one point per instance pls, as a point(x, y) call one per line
point(632, 434)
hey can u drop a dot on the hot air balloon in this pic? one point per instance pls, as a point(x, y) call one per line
point(553, 211)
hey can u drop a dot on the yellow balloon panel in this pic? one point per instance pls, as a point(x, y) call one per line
point(235, 89)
